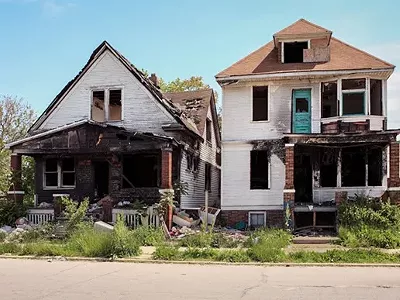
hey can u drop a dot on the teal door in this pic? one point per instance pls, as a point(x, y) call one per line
point(301, 111)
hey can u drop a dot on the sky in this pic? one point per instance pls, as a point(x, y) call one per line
point(45, 43)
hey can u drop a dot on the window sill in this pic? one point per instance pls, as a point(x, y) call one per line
point(55, 188)
point(261, 121)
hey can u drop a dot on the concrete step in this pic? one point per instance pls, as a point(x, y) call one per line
point(310, 240)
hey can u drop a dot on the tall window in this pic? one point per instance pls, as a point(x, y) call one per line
point(208, 177)
point(259, 169)
point(208, 130)
point(59, 173)
point(329, 99)
point(353, 93)
point(260, 103)
point(106, 105)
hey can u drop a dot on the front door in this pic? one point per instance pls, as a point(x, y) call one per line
point(301, 111)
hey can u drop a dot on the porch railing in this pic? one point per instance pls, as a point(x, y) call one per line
point(40, 216)
point(134, 218)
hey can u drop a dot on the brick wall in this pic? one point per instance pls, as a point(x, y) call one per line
point(289, 167)
point(166, 169)
point(275, 218)
point(394, 180)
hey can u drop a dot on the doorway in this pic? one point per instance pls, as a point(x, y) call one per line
point(301, 111)
point(101, 178)
point(303, 178)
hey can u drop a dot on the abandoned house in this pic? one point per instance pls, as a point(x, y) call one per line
point(111, 131)
point(304, 126)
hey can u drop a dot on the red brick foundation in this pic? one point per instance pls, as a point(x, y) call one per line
point(275, 218)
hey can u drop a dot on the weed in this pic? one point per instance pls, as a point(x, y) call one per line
point(2, 236)
point(123, 241)
point(148, 236)
point(167, 252)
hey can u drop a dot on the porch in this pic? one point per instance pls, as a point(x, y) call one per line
point(322, 170)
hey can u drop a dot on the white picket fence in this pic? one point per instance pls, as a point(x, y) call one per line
point(134, 219)
point(39, 216)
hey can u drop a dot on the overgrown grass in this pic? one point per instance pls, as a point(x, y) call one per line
point(368, 236)
point(2, 236)
point(148, 236)
point(209, 239)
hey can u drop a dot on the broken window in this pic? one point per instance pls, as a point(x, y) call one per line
point(353, 84)
point(328, 167)
point(301, 105)
point(259, 169)
point(375, 166)
point(207, 176)
point(257, 220)
point(189, 161)
point(115, 106)
point(260, 103)
point(141, 170)
point(208, 130)
point(376, 97)
point(329, 99)
point(106, 105)
point(293, 52)
point(353, 94)
point(98, 107)
point(59, 173)
point(353, 166)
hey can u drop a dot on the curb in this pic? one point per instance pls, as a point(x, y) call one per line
point(189, 262)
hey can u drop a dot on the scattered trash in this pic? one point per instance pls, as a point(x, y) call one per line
point(45, 205)
point(212, 214)
point(103, 226)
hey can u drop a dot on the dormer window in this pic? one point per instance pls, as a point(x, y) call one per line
point(293, 51)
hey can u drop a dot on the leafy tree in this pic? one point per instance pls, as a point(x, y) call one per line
point(16, 117)
point(193, 83)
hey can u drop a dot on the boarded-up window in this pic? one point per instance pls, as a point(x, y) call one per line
point(329, 99)
point(259, 169)
point(208, 130)
point(115, 107)
point(260, 103)
point(376, 97)
point(98, 106)
point(207, 177)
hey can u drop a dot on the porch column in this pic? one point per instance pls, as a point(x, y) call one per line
point(166, 178)
point(289, 191)
point(393, 172)
point(16, 193)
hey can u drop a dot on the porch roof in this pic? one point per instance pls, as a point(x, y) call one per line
point(387, 136)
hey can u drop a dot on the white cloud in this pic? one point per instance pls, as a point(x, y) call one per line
point(391, 53)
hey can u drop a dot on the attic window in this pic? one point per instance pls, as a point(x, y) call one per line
point(293, 51)
point(106, 105)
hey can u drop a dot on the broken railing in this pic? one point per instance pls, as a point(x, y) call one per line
point(134, 218)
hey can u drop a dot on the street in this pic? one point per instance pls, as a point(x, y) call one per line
point(35, 279)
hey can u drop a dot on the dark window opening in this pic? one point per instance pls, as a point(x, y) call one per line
point(353, 84)
point(260, 103)
point(329, 99)
point(293, 52)
point(51, 173)
point(376, 97)
point(375, 167)
point(325, 218)
point(189, 161)
point(208, 130)
point(303, 176)
point(353, 103)
point(68, 172)
point(328, 167)
point(98, 111)
point(303, 219)
point(353, 166)
point(196, 163)
point(301, 105)
point(259, 169)
point(101, 178)
point(207, 176)
point(115, 106)
point(141, 170)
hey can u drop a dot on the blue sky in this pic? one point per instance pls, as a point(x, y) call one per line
point(44, 43)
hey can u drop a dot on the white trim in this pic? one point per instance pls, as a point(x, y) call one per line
point(252, 207)
point(384, 98)
point(257, 213)
point(60, 195)
point(367, 97)
point(282, 53)
point(289, 145)
point(301, 74)
point(393, 189)
point(388, 161)
point(107, 89)
point(289, 191)
point(60, 172)
point(16, 192)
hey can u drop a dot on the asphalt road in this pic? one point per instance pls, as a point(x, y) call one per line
point(24, 279)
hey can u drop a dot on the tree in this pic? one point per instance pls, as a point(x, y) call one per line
point(193, 83)
point(16, 117)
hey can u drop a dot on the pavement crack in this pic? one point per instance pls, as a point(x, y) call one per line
point(264, 280)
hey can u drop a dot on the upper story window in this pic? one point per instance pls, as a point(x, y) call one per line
point(375, 96)
point(260, 103)
point(293, 51)
point(353, 96)
point(208, 130)
point(59, 173)
point(106, 105)
point(329, 99)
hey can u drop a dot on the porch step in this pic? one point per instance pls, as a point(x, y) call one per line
point(315, 240)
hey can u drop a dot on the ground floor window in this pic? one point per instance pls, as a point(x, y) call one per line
point(257, 219)
point(141, 170)
point(259, 169)
point(59, 173)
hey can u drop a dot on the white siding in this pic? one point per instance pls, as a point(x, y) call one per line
point(236, 193)
point(196, 180)
point(140, 110)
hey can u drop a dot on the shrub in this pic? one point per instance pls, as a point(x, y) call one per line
point(3, 235)
point(10, 211)
point(9, 248)
point(45, 249)
point(148, 236)
point(267, 245)
point(232, 256)
point(368, 236)
point(75, 212)
point(202, 240)
point(196, 254)
point(167, 252)
point(123, 241)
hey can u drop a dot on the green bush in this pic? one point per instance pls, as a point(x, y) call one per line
point(10, 211)
point(201, 240)
point(368, 236)
point(2, 236)
point(45, 249)
point(232, 256)
point(75, 212)
point(123, 241)
point(167, 252)
point(148, 236)
point(10, 248)
point(199, 254)
point(267, 245)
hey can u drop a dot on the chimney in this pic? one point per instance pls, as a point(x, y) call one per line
point(154, 79)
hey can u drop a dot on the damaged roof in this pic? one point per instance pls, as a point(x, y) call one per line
point(342, 57)
point(147, 83)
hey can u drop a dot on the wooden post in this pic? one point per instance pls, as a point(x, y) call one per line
point(166, 178)
point(206, 207)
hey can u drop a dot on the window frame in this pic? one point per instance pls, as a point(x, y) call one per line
point(264, 213)
point(107, 90)
point(292, 41)
point(60, 174)
point(207, 179)
point(268, 104)
point(209, 131)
